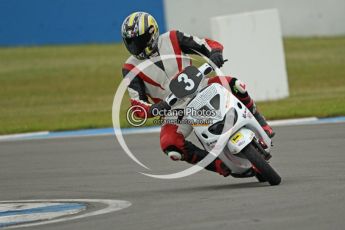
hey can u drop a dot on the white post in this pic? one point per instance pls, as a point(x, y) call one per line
point(253, 44)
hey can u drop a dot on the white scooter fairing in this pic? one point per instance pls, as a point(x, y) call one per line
point(233, 119)
point(223, 125)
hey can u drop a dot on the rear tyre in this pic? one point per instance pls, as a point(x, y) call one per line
point(265, 170)
point(260, 178)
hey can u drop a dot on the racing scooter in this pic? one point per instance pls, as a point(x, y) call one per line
point(245, 146)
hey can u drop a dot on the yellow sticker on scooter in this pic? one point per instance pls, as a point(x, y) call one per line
point(236, 138)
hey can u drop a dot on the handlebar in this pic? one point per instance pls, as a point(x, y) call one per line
point(205, 69)
point(171, 99)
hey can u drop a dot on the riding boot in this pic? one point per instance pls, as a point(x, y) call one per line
point(250, 104)
point(262, 121)
point(193, 154)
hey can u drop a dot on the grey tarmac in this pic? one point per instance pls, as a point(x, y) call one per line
point(310, 159)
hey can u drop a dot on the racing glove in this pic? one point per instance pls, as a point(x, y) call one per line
point(216, 57)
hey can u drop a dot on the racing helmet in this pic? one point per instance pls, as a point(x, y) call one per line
point(140, 34)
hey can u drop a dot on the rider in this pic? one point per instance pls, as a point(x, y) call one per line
point(149, 87)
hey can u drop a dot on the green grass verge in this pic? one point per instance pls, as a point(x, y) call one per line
point(72, 87)
point(58, 87)
point(316, 70)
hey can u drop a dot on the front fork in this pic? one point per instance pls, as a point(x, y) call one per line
point(241, 139)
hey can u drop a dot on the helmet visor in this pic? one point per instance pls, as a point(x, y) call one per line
point(137, 45)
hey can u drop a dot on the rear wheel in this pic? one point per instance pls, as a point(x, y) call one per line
point(261, 165)
point(260, 178)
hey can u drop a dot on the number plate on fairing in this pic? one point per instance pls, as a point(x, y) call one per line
point(186, 83)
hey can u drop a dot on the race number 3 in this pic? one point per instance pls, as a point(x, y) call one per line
point(188, 82)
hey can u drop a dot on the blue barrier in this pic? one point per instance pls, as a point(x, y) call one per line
point(38, 22)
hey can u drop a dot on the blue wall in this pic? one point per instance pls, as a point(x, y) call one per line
point(37, 22)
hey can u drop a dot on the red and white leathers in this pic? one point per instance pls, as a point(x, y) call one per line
point(150, 86)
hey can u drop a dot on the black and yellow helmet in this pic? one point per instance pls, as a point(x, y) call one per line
point(140, 34)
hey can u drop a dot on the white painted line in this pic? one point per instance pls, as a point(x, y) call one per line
point(27, 217)
point(23, 135)
point(298, 121)
point(20, 206)
point(112, 206)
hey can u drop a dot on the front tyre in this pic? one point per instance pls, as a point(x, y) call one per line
point(262, 166)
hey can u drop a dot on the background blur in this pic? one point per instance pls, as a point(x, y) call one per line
point(60, 60)
point(41, 22)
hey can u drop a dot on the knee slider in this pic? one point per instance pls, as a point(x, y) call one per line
point(240, 86)
point(173, 153)
point(175, 156)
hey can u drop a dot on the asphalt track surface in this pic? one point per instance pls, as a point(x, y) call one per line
point(310, 159)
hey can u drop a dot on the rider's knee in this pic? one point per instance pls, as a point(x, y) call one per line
point(172, 143)
point(172, 146)
point(169, 143)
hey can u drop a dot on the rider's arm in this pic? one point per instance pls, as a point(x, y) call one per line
point(192, 44)
point(137, 93)
point(189, 44)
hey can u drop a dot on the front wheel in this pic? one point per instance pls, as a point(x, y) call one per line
point(261, 165)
